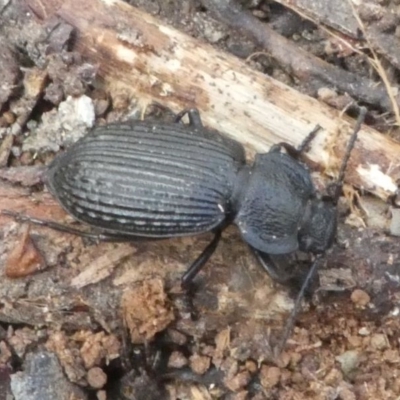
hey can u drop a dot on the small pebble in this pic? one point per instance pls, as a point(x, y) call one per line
point(96, 378)
point(379, 341)
point(349, 361)
point(364, 331)
point(251, 366)
point(333, 377)
point(101, 395)
point(238, 382)
point(269, 376)
point(360, 298)
point(177, 360)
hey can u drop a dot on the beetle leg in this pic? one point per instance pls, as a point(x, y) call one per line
point(296, 152)
point(292, 318)
point(194, 117)
point(47, 223)
point(274, 271)
point(290, 149)
point(98, 237)
point(276, 274)
point(201, 260)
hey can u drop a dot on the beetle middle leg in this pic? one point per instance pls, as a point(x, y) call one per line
point(201, 260)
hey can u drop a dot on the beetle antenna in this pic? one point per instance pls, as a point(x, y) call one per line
point(339, 182)
point(292, 319)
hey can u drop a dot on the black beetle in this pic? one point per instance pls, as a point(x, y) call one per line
point(139, 180)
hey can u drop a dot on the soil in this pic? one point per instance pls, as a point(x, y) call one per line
point(88, 320)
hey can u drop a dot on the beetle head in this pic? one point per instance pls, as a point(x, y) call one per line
point(318, 229)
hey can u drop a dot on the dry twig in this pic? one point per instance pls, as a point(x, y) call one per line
point(306, 67)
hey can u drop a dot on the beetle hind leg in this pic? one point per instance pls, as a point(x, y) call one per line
point(48, 224)
point(95, 236)
point(200, 261)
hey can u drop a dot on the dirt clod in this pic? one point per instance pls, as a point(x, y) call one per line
point(360, 297)
point(146, 310)
point(199, 364)
point(25, 258)
point(269, 376)
point(238, 381)
point(177, 360)
point(379, 341)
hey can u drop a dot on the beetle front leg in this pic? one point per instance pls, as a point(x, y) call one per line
point(296, 152)
point(201, 260)
point(293, 315)
point(278, 271)
point(275, 271)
